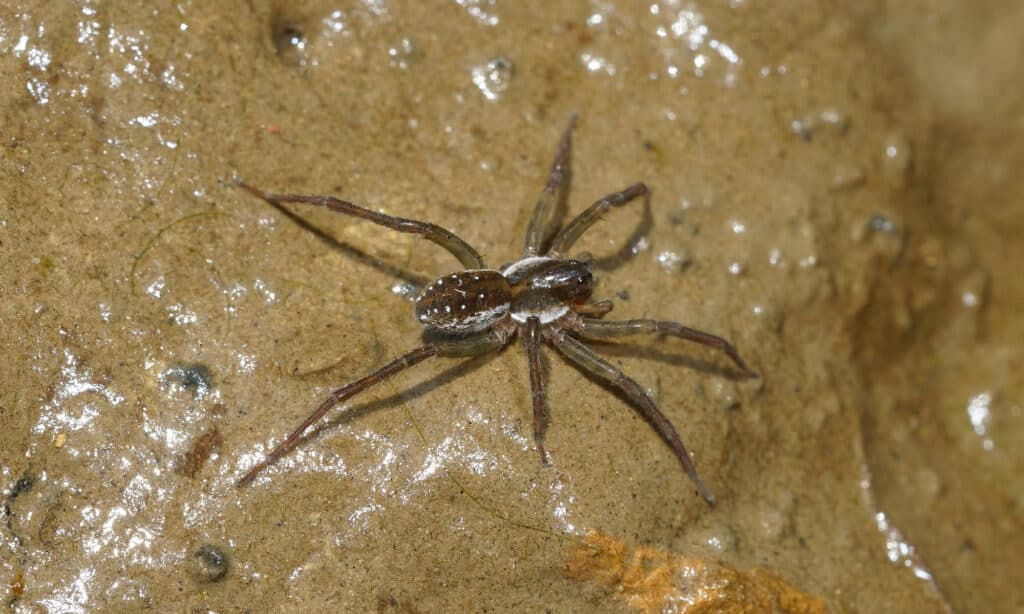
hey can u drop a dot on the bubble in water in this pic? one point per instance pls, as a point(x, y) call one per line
point(405, 290)
point(673, 262)
point(493, 78)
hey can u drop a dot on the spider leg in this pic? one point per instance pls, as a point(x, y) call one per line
point(473, 345)
point(597, 310)
point(340, 396)
point(446, 239)
point(604, 329)
point(565, 239)
point(531, 340)
point(539, 228)
point(587, 361)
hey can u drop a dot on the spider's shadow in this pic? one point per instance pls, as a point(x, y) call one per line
point(449, 375)
point(424, 387)
point(606, 348)
point(351, 251)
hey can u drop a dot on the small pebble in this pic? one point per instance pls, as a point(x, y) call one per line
point(208, 564)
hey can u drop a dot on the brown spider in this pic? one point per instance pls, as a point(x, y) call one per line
point(544, 294)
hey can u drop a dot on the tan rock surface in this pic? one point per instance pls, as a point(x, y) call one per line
point(836, 189)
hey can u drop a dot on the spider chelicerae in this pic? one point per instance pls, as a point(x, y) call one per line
point(544, 295)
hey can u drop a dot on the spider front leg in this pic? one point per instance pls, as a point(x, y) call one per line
point(605, 329)
point(432, 232)
point(571, 233)
point(589, 362)
point(482, 343)
point(541, 221)
point(531, 340)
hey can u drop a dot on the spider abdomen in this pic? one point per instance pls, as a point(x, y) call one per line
point(463, 302)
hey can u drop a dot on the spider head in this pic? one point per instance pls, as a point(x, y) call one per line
point(578, 282)
point(547, 288)
point(567, 281)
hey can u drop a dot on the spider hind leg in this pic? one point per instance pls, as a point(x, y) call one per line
point(472, 345)
point(588, 362)
point(531, 340)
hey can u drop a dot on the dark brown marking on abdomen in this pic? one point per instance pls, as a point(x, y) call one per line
point(466, 301)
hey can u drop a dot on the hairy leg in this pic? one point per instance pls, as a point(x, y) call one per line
point(446, 239)
point(482, 343)
point(539, 228)
point(605, 329)
point(568, 236)
point(596, 310)
point(589, 362)
point(531, 340)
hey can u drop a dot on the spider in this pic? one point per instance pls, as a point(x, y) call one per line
point(544, 296)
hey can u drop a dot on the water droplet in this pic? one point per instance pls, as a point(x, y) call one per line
point(404, 289)
point(402, 53)
point(597, 64)
point(973, 290)
point(898, 159)
point(290, 44)
point(475, 8)
point(881, 223)
point(723, 393)
point(673, 262)
point(717, 539)
point(979, 413)
point(196, 377)
point(493, 78)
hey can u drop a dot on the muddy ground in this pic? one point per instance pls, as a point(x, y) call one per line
point(835, 189)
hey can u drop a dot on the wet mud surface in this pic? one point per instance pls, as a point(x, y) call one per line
point(834, 189)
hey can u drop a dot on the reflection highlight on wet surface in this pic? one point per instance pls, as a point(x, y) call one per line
point(132, 448)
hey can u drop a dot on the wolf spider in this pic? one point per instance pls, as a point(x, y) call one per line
point(543, 295)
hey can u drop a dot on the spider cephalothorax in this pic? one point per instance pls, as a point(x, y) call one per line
point(543, 295)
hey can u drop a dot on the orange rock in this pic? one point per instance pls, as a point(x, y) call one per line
point(654, 580)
